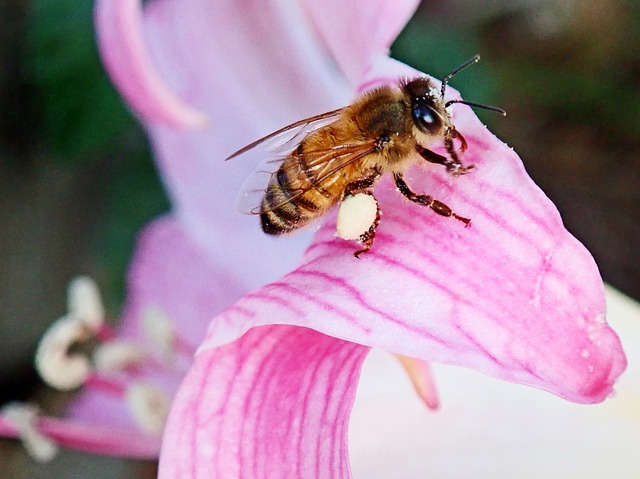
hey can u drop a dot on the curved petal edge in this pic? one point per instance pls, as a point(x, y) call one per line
point(125, 57)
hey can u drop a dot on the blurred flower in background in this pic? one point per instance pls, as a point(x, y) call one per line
point(64, 119)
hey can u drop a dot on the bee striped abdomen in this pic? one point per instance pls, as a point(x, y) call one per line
point(295, 210)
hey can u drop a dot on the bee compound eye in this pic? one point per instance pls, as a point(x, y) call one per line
point(425, 116)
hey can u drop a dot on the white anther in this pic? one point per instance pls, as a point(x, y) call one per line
point(24, 418)
point(115, 356)
point(356, 215)
point(54, 363)
point(149, 407)
point(84, 302)
point(160, 333)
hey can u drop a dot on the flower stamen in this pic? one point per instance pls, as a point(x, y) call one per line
point(64, 370)
point(148, 404)
point(149, 407)
point(24, 418)
point(118, 355)
point(160, 332)
point(57, 367)
point(422, 379)
point(84, 302)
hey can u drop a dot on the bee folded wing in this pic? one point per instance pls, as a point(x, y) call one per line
point(314, 165)
point(273, 176)
point(274, 149)
point(289, 135)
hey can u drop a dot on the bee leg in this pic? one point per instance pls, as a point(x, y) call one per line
point(453, 164)
point(363, 184)
point(426, 200)
point(367, 237)
point(461, 139)
point(455, 167)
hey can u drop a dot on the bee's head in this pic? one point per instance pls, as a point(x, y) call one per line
point(428, 110)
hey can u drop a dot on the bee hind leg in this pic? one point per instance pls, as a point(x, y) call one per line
point(426, 200)
point(363, 184)
point(367, 237)
point(352, 220)
point(358, 218)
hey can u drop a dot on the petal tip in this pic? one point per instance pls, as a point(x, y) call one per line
point(125, 56)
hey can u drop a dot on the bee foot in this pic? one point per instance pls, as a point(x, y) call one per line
point(459, 170)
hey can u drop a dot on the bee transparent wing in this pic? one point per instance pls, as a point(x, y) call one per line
point(275, 147)
point(319, 165)
point(255, 186)
point(289, 135)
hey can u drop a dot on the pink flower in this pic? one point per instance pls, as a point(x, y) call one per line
point(271, 388)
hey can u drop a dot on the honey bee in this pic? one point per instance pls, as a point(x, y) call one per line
point(326, 158)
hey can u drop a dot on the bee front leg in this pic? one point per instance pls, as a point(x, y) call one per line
point(453, 164)
point(426, 200)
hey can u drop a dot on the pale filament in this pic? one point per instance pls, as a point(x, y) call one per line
point(24, 418)
point(421, 376)
point(149, 407)
point(57, 367)
point(84, 302)
point(160, 332)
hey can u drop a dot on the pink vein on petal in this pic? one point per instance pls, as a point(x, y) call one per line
point(356, 295)
point(304, 383)
point(293, 291)
point(246, 312)
point(448, 291)
point(125, 56)
point(451, 292)
point(238, 368)
point(342, 426)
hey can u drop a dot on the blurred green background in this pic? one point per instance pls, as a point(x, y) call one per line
point(77, 180)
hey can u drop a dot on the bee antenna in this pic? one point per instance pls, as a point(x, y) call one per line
point(445, 80)
point(477, 105)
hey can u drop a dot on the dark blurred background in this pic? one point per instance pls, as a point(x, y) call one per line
point(77, 180)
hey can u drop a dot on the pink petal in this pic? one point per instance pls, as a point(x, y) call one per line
point(124, 55)
point(263, 66)
point(368, 28)
point(273, 404)
point(261, 69)
point(158, 277)
point(514, 296)
point(150, 59)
